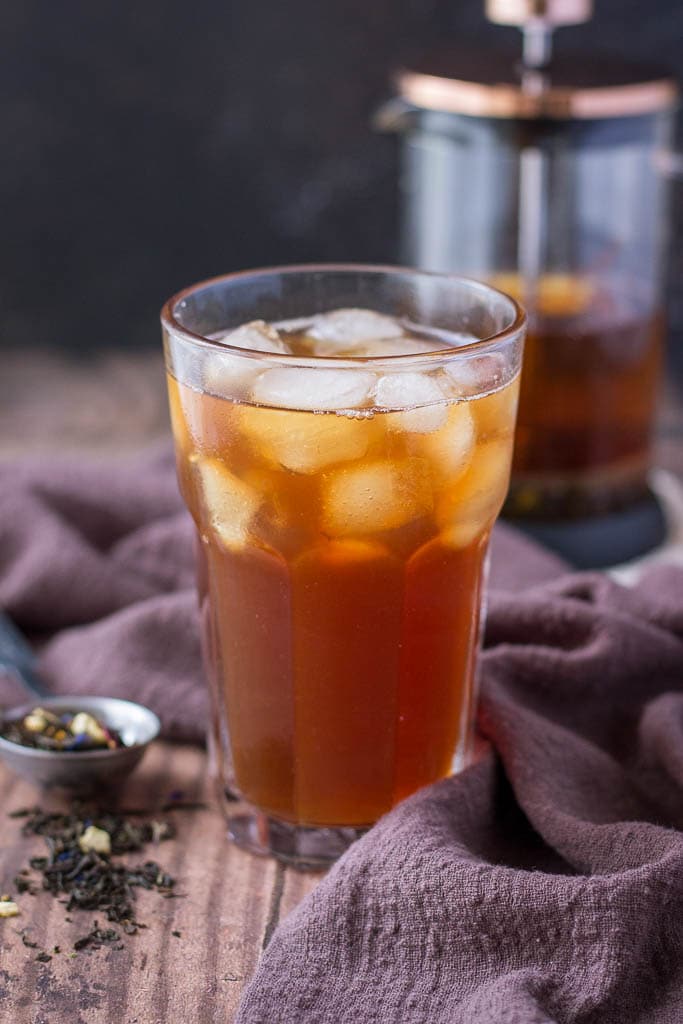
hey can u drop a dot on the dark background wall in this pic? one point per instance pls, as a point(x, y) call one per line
point(147, 145)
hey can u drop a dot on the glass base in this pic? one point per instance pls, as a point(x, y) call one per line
point(299, 846)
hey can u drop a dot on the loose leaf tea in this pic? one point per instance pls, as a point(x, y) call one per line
point(22, 883)
point(81, 863)
point(98, 937)
point(70, 732)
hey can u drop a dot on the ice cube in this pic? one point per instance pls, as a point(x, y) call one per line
point(398, 346)
point(231, 504)
point(416, 393)
point(304, 442)
point(201, 421)
point(228, 374)
point(343, 330)
point(476, 375)
point(450, 449)
point(461, 534)
point(297, 325)
point(257, 336)
point(178, 425)
point(495, 413)
point(374, 496)
point(471, 506)
point(275, 510)
point(310, 388)
point(346, 551)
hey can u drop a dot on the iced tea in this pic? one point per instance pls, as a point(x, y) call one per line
point(344, 469)
point(344, 517)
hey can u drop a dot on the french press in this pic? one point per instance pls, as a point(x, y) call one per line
point(547, 176)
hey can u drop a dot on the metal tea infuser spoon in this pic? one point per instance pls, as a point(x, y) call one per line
point(78, 770)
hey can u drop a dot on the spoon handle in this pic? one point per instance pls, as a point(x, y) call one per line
point(17, 658)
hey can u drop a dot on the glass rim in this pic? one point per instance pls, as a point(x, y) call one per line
point(172, 325)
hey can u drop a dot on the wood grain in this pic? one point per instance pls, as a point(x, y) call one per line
point(229, 905)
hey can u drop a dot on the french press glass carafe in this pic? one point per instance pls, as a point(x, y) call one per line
point(547, 177)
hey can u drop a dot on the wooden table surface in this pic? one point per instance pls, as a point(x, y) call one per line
point(229, 904)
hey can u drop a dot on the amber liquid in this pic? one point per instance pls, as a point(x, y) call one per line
point(342, 623)
point(587, 405)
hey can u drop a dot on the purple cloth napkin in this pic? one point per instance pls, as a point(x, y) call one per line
point(96, 564)
point(545, 883)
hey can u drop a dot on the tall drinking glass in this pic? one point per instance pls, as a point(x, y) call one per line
point(343, 438)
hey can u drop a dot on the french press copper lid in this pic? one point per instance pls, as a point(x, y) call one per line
point(535, 86)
